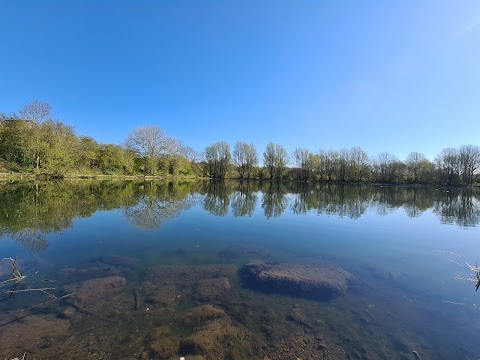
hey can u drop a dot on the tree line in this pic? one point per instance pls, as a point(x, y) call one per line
point(33, 141)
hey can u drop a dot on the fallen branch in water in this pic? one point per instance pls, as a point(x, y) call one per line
point(16, 312)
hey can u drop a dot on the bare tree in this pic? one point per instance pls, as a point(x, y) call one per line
point(245, 158)
point(388, 167)
point(191, 154)
point(36, 111)
point(151, 143)
point(469, 157)
point(414, 161)
point(360, 164)
point(448, 166)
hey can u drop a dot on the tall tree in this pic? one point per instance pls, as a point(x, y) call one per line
point(150, 142)
point(245, 158)
point(275, 159)
point(448, 166)
point(360, 164)
point(305, 163)
point(469, 157)
point(217, 157)
point(61, 147)
point(414, 161)
point(37, 112)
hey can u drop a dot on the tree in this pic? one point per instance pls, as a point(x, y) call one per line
point(245, 158)
point(275, 159)
point(388, 167)
point(306, 163)
point(61, 147)
point(37, 112)
point(217, 157)
point(469, 157)
point(448, 166)
point(414, 161)
point(150, 142)
point(360, 164)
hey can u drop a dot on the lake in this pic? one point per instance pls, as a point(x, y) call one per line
point(153, 270)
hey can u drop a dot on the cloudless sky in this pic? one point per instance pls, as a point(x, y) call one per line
point(394, 76)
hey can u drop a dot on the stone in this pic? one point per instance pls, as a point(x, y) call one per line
point(200, 314)
point(208, 290)
point(96, 291)
point(318, 281)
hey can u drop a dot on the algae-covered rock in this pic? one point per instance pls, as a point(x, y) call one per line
point(208, 290)
point(96, 291)
point(319, 281)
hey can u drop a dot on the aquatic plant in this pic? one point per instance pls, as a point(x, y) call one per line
point(475, 278)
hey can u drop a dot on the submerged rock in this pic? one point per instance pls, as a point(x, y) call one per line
point(208, 290)
point(96, 291)
point(200, 314)
point(320, 282)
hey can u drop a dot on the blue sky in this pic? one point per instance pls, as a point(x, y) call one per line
point(395, 76)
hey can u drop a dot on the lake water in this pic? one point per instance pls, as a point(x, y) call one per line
point(149, 270)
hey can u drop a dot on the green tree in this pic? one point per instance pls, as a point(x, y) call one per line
point(275, 159)
point(217, 157)
point(37, 112)
point(245, 158)
point(60, 149)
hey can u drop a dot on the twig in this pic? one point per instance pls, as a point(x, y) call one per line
point(27, 290)
point(35, 306)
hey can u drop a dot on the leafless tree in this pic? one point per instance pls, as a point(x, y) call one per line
point(469, 157)
point(36, 111)
point(448, 166)
point(151, 143)
point(414, 161)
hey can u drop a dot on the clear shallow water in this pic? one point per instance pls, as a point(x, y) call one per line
point(405, 246)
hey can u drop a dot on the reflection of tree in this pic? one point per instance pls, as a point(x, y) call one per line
point(217, 200)
point(459, 207)
point(243, 203)
point(274, 201)
point(158, 203)
point(341, 200)
point(30, 211)
point(32, 239)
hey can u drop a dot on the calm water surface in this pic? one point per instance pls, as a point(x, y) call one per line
point(150, 248)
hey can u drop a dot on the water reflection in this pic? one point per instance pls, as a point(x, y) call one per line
point(29, 210)
point(157, 203)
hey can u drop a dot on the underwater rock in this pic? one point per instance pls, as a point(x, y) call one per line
point(200, 314)
point(212, 289)
point(320, 282)
point(166, 347)
point(210, 339)
point(31, 334)
point(96, 291)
